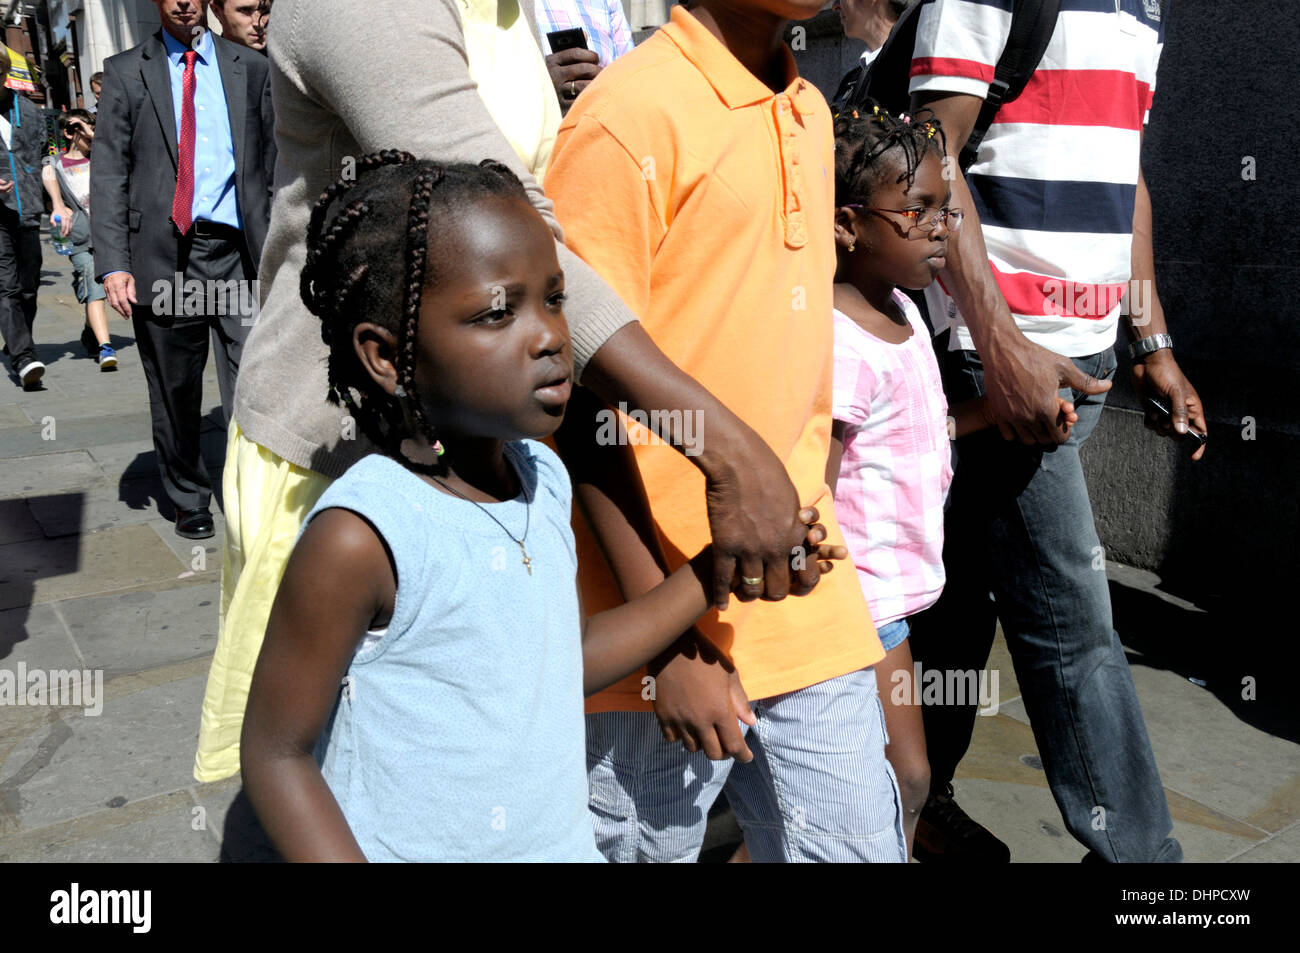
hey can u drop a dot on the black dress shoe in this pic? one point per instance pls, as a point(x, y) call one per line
point(195, 524)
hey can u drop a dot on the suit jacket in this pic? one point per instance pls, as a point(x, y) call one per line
point(133, 167)
point(25, 202)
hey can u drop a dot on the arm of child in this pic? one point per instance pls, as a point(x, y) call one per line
point(339, 581)
point(49, 179)
point(976, 414)
point(617, 642)
point(836, 455)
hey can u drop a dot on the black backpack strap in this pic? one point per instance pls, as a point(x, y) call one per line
point(888, 76)
point(1032, 25)
point(853, 82)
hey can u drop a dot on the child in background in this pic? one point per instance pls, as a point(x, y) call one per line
point(418, 695)
point(890, 461)
point(67, 181)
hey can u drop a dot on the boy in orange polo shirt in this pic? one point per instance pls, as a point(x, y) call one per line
point(696, 175)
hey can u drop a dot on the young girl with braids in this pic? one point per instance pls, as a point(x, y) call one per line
point(890, 461)
point(419, 693)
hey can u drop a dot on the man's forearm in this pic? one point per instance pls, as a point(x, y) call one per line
point(1144, 315)
point(630, 369)
point(968, 276)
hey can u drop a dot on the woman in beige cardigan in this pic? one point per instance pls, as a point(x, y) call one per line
point(462, 80)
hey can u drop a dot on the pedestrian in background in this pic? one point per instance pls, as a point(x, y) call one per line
point(22, 131)
point(67, 182)
point(242, 22)
point(605, 30)
point(1056, 199)
point(181, 186)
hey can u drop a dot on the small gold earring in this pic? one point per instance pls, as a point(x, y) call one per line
point(852, 242)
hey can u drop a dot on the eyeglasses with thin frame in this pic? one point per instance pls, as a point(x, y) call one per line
point(927, 218)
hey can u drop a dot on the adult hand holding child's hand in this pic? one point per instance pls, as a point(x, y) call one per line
point(698, 697)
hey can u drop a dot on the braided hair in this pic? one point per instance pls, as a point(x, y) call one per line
point(865, 138)
point(368, 260)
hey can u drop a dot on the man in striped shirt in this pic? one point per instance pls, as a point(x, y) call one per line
point(1032, 301)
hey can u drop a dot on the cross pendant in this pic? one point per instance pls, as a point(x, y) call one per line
point(528, 563)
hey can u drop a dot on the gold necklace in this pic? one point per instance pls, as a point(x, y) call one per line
point(528, 563)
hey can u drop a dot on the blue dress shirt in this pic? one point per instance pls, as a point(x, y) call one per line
point(214, 147)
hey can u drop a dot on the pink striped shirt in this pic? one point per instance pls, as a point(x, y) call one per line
point(897, 464)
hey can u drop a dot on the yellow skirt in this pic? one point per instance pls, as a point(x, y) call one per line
point(266, 500)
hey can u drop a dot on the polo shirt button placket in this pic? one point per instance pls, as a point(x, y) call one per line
point(795, 229)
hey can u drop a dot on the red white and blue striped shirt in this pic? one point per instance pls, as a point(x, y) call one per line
point(1056, 176)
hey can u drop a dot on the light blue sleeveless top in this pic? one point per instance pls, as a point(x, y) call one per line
point(459, 734)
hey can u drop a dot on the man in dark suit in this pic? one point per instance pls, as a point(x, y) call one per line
point(181, 192)
point(22, 139)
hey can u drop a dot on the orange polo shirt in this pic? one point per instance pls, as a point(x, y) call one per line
point(706, 201)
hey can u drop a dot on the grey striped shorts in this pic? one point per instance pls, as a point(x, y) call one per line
point(819, 787)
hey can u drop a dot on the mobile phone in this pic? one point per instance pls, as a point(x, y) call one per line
point(1196, 439)
point(574, 39)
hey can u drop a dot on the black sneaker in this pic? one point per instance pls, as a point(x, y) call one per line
point(89, 341)
point(946, 834)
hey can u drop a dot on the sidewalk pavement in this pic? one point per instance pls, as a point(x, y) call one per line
point(92, 576)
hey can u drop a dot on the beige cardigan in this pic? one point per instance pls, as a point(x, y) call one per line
point(415, 94)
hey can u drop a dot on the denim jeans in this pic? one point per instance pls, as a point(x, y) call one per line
point(1020, 546)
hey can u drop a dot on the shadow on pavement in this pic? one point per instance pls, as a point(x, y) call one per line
point(243, 841)
point(140, 485)
point(1243, 657)
point(32, 560)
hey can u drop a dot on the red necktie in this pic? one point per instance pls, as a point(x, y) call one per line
point(183, 201)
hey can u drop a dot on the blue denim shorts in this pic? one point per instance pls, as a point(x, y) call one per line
point(893, 634)
point(83, 278)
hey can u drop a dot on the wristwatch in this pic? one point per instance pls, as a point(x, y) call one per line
point(1149, 345)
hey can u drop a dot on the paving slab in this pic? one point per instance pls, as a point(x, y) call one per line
point(197, 556)
point(48, 472)
point(160, 829)
point(129, 460)
point(1281, 848)
point(129, 557)
point(136, 631)
point(100, 508)
point(1224, 763)
point(37, 637)
point(1023, 817)
point(1003, 768)
point(142, 745)
point(12, 415)
point(92, 405)
point(75, 434)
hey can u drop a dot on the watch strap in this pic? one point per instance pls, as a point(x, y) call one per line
point(1149, 345)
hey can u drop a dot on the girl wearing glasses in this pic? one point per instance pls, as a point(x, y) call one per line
point(67, 180)
point(890, 464)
